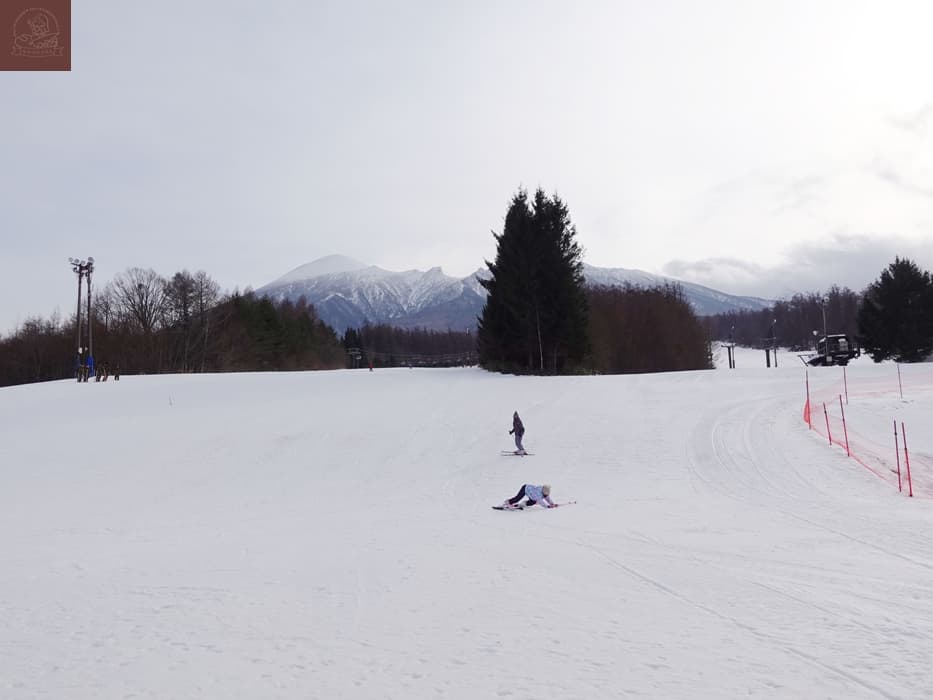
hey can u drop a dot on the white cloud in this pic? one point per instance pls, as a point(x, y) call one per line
point(397, 135)
point(843, 260)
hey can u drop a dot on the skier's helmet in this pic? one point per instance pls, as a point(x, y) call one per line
point(546, 489)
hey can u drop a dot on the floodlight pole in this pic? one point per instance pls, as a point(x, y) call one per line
point(88, 269)
point(76, 267)
point(83, 268)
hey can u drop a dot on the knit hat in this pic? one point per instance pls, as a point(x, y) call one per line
point(546, 489)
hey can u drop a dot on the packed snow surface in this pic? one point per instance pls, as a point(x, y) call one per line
point(329, 535)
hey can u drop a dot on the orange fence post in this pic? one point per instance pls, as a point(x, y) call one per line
point(910, 483)
point(845, 431)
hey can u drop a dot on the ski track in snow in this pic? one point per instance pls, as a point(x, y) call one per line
point(733, 453)
point(329, 535)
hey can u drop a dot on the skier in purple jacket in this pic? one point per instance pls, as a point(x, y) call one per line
point(535, 494)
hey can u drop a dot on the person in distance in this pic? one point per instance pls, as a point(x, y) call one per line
point(518, 429)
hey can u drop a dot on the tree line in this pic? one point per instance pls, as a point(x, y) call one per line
point(638, 329)
point(892, 318)
point(540, 317)
point(383, 345)
point(143, 322)
point(790, 321)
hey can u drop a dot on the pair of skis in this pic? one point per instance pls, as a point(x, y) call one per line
point(522, 507)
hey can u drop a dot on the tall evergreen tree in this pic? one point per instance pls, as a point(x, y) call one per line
point(895, 319)
point(535, 316)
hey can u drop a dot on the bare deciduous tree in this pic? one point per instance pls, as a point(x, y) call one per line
point(206, 296)
point(139, 297)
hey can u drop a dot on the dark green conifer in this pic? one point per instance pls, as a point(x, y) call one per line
point(895, 319)
point(535, 314)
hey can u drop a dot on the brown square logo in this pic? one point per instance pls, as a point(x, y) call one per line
point(35, 35)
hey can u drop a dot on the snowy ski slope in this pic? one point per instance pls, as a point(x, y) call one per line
point(329, 535)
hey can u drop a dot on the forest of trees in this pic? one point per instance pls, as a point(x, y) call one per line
point(540, 317)
point(145, 323)
point(792, 321)
point(635, 329)
point(257, 334)
point(388, 346)
point(891, 319)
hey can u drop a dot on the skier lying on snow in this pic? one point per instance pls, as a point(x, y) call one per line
point(535, 494)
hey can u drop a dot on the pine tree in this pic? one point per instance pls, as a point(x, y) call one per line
point(895, 319)
point(535, 313)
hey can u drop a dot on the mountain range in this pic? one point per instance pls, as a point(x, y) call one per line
point(348, 294)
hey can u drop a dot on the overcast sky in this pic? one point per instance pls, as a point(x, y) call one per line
point(758, 147)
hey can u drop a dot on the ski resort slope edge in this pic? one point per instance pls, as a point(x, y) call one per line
point(330, 535)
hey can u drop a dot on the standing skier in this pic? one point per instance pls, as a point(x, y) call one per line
point(519, 430)
point(535, 494)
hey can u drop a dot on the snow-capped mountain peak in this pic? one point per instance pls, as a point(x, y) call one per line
point(327, 265)
point(348, 293)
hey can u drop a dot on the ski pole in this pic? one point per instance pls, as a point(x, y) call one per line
point(897, 455)
point(826, 415)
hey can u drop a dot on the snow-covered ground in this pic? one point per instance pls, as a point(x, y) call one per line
point(329, 535)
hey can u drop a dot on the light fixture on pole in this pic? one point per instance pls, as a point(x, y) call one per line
point(83, 268)
point(88, 269)
point(77, 266)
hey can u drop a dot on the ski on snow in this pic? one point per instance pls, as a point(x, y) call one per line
point(523, 507)
point(505, 453)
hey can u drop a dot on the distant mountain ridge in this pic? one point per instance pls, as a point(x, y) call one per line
point(704, 300)
point(348, 294)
